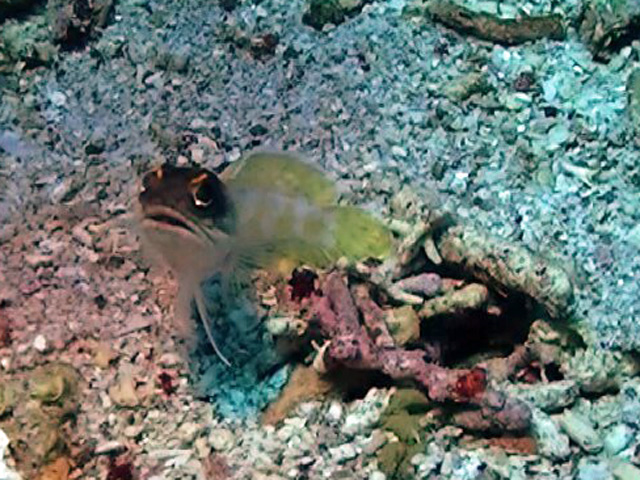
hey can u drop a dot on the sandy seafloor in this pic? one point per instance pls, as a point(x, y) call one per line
point(366, 101)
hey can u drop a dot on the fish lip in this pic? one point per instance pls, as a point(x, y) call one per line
point(152, 218)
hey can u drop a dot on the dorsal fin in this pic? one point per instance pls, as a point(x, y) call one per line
point(282, 173)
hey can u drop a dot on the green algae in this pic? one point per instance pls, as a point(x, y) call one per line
point(403, 417)
point(35, 408)
point(394, 459)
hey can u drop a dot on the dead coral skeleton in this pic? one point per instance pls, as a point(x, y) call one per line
point(486, 26)
point(350, 330)
point(369, 346)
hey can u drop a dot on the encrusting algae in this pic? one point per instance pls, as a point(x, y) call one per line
point(269, 211)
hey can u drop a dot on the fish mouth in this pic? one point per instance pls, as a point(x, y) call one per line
point(169, 221)
point(164, 218)
point(160, 219)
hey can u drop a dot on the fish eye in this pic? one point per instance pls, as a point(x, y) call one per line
point(203, 195)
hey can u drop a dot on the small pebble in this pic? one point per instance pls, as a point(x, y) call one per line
point(579, 429)
point(221, 439)
point(377, 475)
point(398, 151)
point(334, 414)
point(374, 443)
point(109, 448)
point(343, 453)
point(59, 99)
point(36, 260)
point(625, 471)
point(169, 360)
point(202, 447)
point(40, 343)
point(82, 236)
point(617, 439)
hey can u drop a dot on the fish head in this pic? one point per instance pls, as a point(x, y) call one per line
point(185, 215)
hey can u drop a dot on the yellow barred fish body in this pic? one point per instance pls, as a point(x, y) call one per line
point(270, 210)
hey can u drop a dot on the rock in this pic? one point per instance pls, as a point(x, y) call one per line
point(618, 438)
point(460, 89)
point(37, 260)
point(512, 266)
point(56, 470)
point(323, 12)
point(364, 414)
point(633, 108)
point(172, 60)
point(404, 325)
point(110, 448)
point(428, 462)
point(557, 137)
point(580, 430)
point(374, 443)
point(633, 237)
point(80, 234)
point(103, 355)
point(96, 144)
point(593, 469)
point(5, 472)
point(188, 432)
point(202, 447)
point(123, 393)
point(343, 453)
point(58, 99)
point(377, 475)
point(69, 24)
point(26, 42)
point(7, 232)
point(42, 401)
point(228, 5)
point(221, 439)
point(625, 471)
point(48, 387)
point(552, 443)
point(597, 370)
point(40, 343)
point(334, 414)
point(170, 360)
point(549, 397)
point(425, 284)
point(471, 297)
point(608, 26)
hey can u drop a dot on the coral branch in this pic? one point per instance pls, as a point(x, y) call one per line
point(496, 412)
point(351, 345)
point(471, 297)
point(374, 318)
point(509, 267)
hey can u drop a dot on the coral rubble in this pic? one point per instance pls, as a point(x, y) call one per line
point(39, 406)
point(353, 345)
point(322, 12)
point(609, 25)
point(507, 266)
point(496, 29)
